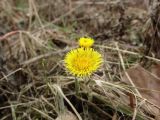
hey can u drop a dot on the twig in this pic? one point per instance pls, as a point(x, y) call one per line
point(100, 83)
point(59, 18)
point(25, 63)
point(8, 35)
point(128, 52)
point(95, 106)
point(5, 77)
point(61, 92)
point(123, 66)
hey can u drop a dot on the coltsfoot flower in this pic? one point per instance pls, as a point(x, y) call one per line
point(82, 62)
point(86, 42)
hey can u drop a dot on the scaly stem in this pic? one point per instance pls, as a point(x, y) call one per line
point(76, 86)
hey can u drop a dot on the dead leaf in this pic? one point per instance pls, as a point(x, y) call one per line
point(67, 116)
point(148, 82)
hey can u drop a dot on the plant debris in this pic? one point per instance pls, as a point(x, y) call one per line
point(34, 39)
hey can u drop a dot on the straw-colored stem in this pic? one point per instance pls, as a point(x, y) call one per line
point(123, 66)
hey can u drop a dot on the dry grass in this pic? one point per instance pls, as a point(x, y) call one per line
point(35, 37)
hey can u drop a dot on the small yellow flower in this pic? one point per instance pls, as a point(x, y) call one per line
point(86, 42)
point(82, 62)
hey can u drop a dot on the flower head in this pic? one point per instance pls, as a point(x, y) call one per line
point(83, 62)
point(86, 42)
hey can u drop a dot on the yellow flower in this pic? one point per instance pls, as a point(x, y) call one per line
point(86, 42)
point(82, 62)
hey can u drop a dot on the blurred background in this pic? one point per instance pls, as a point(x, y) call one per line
point(35, 35)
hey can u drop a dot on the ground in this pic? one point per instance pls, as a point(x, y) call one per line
point(35, 36)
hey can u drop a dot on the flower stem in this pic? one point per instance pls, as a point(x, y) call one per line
point(76, 86)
